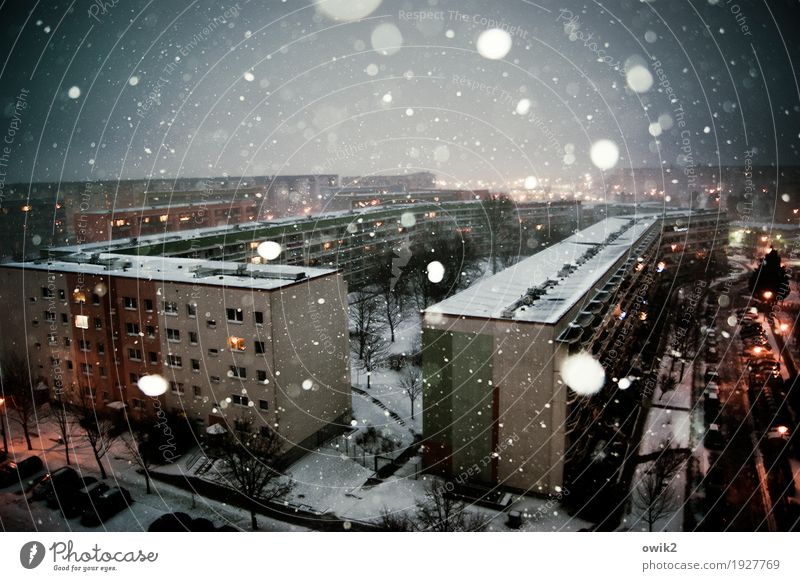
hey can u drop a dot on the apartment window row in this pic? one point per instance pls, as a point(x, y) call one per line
point(244, 401)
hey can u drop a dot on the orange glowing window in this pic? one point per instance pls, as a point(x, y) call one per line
point(236, 343)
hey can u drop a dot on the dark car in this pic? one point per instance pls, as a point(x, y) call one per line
point(173, 522)
point(74, 501)
point(63, 477)
point(108, 504)
point(16, 471)
point(713, 439)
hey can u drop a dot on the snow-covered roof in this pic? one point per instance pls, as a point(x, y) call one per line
point(560, 287)
point(190, 271)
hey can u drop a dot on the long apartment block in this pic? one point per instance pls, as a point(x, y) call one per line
point(232, 340)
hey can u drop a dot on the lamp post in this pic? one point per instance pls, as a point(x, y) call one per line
point(3, 423)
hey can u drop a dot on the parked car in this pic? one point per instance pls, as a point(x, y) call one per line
point(109, 503)
point(53, 481)
point(711, 407)
point(15, 471)
point(74, 502)
point(711, 374)
point(713, 439)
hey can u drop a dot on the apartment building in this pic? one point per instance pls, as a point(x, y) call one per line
point(267, 342)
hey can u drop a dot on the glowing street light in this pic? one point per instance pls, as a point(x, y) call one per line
point(767, 295)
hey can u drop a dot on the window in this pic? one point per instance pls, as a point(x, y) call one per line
point(132, 329)
point(50, 316)
point(191, 310)
point(101, 349)
point(67, 342)
point(263, 405)
point(69, 364)
point(138, 404)
point(211, 324)
point(134, 378)
point(193, 337)
point(103, 371)
point(213, 352)
point(171, 308)
point(259, 316)
point(134, 354)
point(95, 299)
point(148, 305)
point(235, 315)
point(84, 345)
point(152, 356)
point(174, 360)
point(238, 372)
point(52, 338)
point(173, 335)
point(240, 400)
point(236, 343)
point(130, 303)
point(260, 347)
point(176, 387)
point(64, 319)
point(214, 378)
point(86, 369)
point(47, 293)
point(62, 294)
point(98, 323)
point(195, 365)
point(163, 217)
point(261, 375)
point(151, 332)
point(79, 297)
point(81, 321)
point(197, 391)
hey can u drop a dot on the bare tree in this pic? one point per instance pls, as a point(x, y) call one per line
point(246, 463)
point(99, 429)
point(398, 522)
point(141, 446)
point(391, 312)
point(364, 312)
point(64, 420)
point(442, 512)
point(411, 382)
point(654, 498)
point(18, 391)
point(375, 350)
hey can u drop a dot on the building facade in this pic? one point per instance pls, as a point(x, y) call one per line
point(232, 341)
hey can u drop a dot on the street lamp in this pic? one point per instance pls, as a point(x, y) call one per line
point(767, 295)
point(3, 424)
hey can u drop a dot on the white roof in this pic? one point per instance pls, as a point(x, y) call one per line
point(491, 296)
point(185, 270)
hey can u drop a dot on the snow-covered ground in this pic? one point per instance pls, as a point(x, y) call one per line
point(17, 513)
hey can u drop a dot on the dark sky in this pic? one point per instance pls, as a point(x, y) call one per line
point(183, 88)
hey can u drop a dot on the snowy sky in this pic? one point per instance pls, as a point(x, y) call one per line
point(191, 88)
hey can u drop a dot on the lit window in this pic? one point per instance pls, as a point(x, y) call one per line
point(81, 321)
point(240, 400)
point(237, 343)
point(120, 222)
point(79, 297)
point(163, 217)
